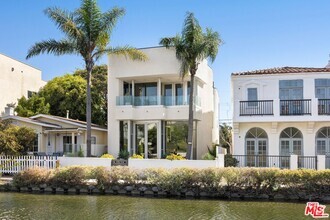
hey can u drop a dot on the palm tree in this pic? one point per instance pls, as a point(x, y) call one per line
point(192, 47)
point(87, 33)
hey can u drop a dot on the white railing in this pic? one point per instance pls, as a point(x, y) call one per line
point(15, 164)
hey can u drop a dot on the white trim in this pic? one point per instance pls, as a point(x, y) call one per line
point(66, 121)
point(30, 121)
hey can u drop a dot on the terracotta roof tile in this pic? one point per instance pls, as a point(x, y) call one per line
point(285, 69)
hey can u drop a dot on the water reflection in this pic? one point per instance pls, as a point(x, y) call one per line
point(37, 206)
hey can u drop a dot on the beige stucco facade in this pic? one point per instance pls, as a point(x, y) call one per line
point(153, 93)
point(16, 80)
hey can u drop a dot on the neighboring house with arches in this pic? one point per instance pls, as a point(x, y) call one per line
point(281, 112)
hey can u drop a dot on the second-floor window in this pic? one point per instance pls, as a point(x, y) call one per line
point(291, 89)
point(322, 88)
point(252, 96)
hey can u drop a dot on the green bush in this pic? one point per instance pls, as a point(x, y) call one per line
point(208, 156)
point(230, 161)
point(123, 154)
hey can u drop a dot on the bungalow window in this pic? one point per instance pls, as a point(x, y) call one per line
point(93, 140)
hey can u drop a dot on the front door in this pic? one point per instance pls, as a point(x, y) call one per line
point(146, 139)
point(288, 147)
point(256, 150)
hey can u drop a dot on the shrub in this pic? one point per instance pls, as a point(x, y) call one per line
point(102, 176)
point(137, 156)
point(32, 177)
point(175, 157)
point(107, 156)
point(208, 156)
point(230, 161)
point(123, 154)
point(73, 176)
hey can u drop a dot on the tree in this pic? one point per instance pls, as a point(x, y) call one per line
point(226, 137)
point(32, 106)
point(87, 32)
point(192, 47)
point(99, 92)
point(15, 140)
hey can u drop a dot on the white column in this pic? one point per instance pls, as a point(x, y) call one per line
point(159, 92)
point(129, 144)
point(185, 98)
point(320, 162)
point(293, 162)
point(133, 88)
point(220, 160)
point(145, 140)
point(159, 139)
point(314, 107)
point(72, 142)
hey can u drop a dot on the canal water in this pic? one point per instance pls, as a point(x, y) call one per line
point(44, 206)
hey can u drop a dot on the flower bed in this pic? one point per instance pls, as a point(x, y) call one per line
point(244, 183)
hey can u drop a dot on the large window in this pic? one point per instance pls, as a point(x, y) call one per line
point(322, 88)
point(123, 138)
point(291, 89)
point(145, 94)
point(176, 135)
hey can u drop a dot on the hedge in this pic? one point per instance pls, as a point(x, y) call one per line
point(217, 182)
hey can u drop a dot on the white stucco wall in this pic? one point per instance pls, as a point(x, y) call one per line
point(16, 79)
point(161, 66)
point(268, 89)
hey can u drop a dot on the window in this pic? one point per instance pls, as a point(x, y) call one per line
point(30, 94)
point(322, 88)
point(93, 140)
point(252, 96)
point(256, 145)
point(127, 89)
point(35, 144)
point(291, 89)
point(178, 94)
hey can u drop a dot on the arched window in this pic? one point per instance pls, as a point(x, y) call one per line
point(256, 147)
point(291, 140)
point(323, 141)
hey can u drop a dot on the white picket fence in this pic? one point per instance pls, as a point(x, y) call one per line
point(15, 164)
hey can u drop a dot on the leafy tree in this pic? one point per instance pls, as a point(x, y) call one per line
point(32, 106)
point(66, 93)
point(226, 137)
point(87, 32)
point(192, 47)
point(15, 140)
point(99, 92)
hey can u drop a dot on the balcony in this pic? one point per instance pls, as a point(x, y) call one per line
point(324, 106)
point(153, 100)
point(295, 107)
point(260, 107)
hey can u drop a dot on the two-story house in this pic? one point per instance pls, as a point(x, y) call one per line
point(281, 111)
point(148, 106)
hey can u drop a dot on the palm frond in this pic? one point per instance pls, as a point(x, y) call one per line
point(52, 46)
point(64, 21)
point(126, 51)
point(110, 18)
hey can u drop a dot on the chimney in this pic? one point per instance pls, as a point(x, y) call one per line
point(328, 65)
point(9, 111)
point(67, 113)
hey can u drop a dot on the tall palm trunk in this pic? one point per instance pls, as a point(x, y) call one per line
point(89, 68)
point(191, 116)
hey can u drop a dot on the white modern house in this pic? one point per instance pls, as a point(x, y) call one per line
point(17, 79)
point(281, 112)
point(57, 135)
point(148, 106)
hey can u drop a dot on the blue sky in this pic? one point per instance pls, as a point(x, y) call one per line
point(256, 33)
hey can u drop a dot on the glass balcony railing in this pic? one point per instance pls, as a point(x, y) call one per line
point(153, 100)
